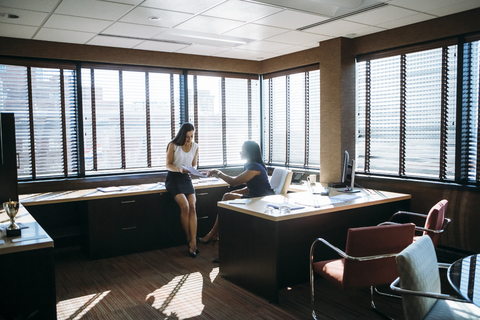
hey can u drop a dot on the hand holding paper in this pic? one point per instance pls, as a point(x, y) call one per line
point(194, 171)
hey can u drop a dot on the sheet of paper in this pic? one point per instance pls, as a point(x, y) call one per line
point(292, 206)
point(194, 171)
point(240, 201)
point(345, 197)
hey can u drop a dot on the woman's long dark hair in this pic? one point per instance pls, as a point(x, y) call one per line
point(253, 152)
point(181, 136)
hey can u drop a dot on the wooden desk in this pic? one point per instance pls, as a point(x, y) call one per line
point(27, 270)
point(264, 253)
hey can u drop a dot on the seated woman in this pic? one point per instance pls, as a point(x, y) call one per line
point(255, 177)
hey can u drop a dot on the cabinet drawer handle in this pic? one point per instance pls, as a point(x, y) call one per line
point(202, 194)
point(129, 228)
point(204, 217)
point(128, 201)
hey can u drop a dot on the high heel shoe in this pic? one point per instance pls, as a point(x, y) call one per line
point(192, 254)
point(196, 251)
point(213, 240)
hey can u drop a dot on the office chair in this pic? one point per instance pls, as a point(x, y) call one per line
point(435, 221)
point(368, 260)
point(280, 180)
point(419, 285)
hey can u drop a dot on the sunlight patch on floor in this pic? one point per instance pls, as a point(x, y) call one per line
point(214, 274)
point(76, 308)
point(182, 296)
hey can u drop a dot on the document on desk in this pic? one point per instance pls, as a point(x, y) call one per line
point(240, 201)
point(194, 171)
point(345, 197)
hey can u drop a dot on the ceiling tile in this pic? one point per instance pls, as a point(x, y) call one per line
point(114, 42)
point(93, 9)
point(265, 46)
point(242, 54)
point(209, 24)
point(419, 17)
point(241, 10)
point(292, 49)
point(290, 19)
point(37, 5)
point(25, 17)
point(381, 15)
point(297, 37)
point(134, 2)
point(255, 31)
point(188, 6)
point(63, 36)
point(133, 30)
point(58, 21)
point(16, 31)
point(426, 5)
point(458, 6)
point(168, 19)
point(160, 46)
point(337, 28)
point(203, 50)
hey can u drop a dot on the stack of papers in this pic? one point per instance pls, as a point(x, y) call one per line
point(194, 171)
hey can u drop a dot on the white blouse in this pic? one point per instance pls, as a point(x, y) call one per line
point(181, 157)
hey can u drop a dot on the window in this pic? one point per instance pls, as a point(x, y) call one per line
point(226, 112)
point(291, 128)
point(128, 118)
point(407, 122)
point(43, 100)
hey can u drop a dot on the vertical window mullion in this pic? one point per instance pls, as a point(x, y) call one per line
point(463, 112)
point(172, 104)
point(270, 114)
point(64, 127)
point(94, 121)
point(307, 120)
point(287, 106)
point(368, 114)
point(402, 142)
point(249, 84)
point(79, 122)
point(148, 115)
point(444, 116)
point(32, 126)
point(224, 123)
point(195, 106)
point(122, 120)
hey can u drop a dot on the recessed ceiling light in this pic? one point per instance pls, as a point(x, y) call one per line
point(153, 18)
point(9, 16)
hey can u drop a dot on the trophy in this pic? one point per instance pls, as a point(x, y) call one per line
point(11, 208)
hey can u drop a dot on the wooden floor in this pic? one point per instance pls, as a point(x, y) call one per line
point(168, 284)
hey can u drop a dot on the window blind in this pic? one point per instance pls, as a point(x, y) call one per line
point(292, 118)
point(129, 118)
point(43, 102)
point(406, 108)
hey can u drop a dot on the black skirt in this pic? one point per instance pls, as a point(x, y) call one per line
point(177, 183)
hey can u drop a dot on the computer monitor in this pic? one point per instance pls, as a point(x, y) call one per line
point(351, 188)
point(346, 160)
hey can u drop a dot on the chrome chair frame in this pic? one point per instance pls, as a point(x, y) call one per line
point(446, 221)
point(396, 288)
point(345, 256)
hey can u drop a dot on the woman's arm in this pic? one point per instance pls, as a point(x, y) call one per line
point(242, 178)
point(194, 161)
point(170, 157)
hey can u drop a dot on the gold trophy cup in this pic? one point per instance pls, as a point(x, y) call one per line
point(11, 208)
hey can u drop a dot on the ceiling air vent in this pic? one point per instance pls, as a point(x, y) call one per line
point(365, 9)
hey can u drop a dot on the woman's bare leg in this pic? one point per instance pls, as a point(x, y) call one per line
point(214, 232)
point(192, 222)
point(184, 205)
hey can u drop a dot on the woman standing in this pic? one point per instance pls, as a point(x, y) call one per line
point(254, 176)
point(183, 151)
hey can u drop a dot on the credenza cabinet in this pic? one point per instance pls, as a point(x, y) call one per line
point(126, 223)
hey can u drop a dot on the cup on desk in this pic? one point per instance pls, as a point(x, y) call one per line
point(284, 209)
point(312, 179)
